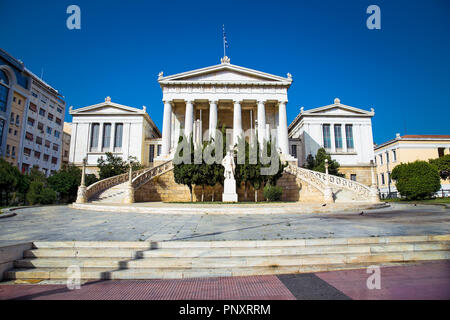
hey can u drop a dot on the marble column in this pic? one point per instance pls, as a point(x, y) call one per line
point(167, 128)
point(261, 122)
point(237, 121)
point(189, 118)
point(212, 117)
point(283, 140)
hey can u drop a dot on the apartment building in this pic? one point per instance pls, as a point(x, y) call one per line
point(404, 149)
point(67, 133)
point(31, 118)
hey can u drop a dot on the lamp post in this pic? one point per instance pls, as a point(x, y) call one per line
point(81, 193)
point(374, 194)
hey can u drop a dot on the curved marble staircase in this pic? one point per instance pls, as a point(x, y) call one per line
point(114, 189)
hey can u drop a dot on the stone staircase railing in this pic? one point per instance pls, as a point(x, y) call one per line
point(147, 175)
point(107, 183)
point(322, 181)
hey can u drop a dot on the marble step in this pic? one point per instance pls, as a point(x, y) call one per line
point(180, 273)
point(234, 262)
point(133, 253)
point(237, 243)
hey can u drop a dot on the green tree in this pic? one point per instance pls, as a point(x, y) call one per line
point(66, 182)
point(416, 180)
point(39, 194)
point(442, 165)
point(10, 181)
point(317, 163)
point(115, 165)
point(184, 171)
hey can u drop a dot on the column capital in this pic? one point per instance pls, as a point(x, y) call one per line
point(261, 101)
point(213, 101)
point(191, 101)
point(283, 101)
point(167, 101)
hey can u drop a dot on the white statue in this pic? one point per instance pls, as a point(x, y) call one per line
point(228, 164)
point(229, 186)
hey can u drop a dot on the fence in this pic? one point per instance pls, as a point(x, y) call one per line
point(443, 193)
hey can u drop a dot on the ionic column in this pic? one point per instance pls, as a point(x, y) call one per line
point(189, 118)
point(212, 118)
point(261, 122)
point(167, 128)
point(283, 140)
point(237, 121)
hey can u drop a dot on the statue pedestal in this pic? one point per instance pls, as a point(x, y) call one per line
point(229, 191)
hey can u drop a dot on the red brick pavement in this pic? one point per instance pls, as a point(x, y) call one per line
point(239, 288)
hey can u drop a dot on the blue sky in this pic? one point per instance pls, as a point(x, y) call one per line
point(402, 70)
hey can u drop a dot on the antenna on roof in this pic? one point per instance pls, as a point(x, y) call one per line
point(42, 73)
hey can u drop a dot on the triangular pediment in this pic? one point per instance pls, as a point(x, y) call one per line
point(106, 107)
point(224, 73)
point(338, 109)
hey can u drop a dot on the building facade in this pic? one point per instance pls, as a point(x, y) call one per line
point(344, 131)
point(65, 147)
point(240, 99)
point(111, 127)
point(31, 118)
point(404, 149)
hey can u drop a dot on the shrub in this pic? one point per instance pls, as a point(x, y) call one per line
point(442, 165)
point(47, 196)
point(38, 194)
point(416, 180)
point(272, 193)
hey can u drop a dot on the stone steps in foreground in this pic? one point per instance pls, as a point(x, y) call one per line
point(187, 259)
point(136, 253)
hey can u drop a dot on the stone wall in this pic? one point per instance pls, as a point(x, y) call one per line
point(164, 188)
point(363, 173)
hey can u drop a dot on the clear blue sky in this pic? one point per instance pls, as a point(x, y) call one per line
point(402, 70)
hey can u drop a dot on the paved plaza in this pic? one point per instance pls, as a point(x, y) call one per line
point(63, 223)
point(430, 280)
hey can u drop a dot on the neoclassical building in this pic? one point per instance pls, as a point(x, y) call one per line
point(344, 131)
point(199, 101)
point(111, 127)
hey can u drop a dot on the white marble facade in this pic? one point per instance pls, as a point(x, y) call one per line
point(195, 102)
point(111, 127)
point(347, 135)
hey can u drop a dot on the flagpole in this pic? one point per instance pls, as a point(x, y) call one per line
point(223, 39)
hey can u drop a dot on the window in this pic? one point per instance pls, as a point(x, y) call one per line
point(2, 127)
point(17, 120)
point(33, 107)
point(54, 160)
point(66, 153)
point(7, 150)
point(59, 110)
point(94, 135)
point(294, 150)
point(349, 136)
point(158, 151)
point(29, 136)
point(11, 118)
point(326, 136)
point(34, 94)
point(382, 178)
point(57, 133)
point(42, 112)
point(13, 153)
point(353, 177)
point(381, 159)
point(4, 82)
point(45, 157)
point(50, 116)
point(106, 135)
point(394, 155)
point(55, 147)
point(20, 101)
point(30, 121)
point(47, 144)
point(39, 140)
point(338, 137)
point(387, 156)
point(389, 177)
point(118, 135)
point(151, 153)
point(27, 151)
point(41, 127)
point(15, 132)
point(58, 121)
point(25, 167)
point(441, 152)
point(37, 154)
point(49, 130)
